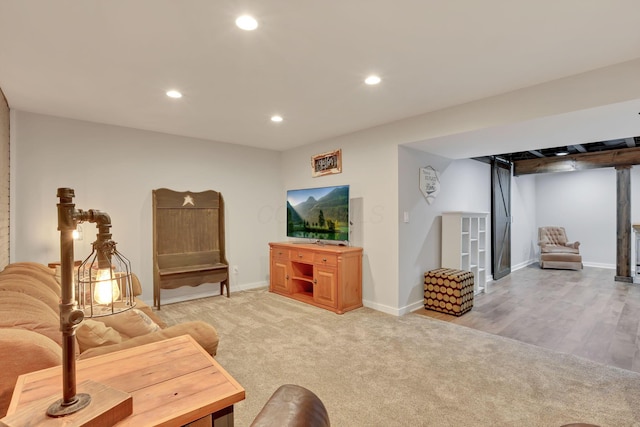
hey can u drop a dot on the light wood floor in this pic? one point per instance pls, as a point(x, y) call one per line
point(585, 313)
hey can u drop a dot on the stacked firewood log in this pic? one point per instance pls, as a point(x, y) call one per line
point(448, 291)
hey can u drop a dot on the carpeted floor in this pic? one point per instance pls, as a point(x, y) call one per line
point(374, 369)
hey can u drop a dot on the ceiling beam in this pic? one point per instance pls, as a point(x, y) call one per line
point(580, 148)
point(536, 153)
point(631, 142)
point(577, 162)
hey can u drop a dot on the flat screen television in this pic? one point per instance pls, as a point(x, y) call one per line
point(320, 214)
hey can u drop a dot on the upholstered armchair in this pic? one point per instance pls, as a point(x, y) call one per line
point(556, 251)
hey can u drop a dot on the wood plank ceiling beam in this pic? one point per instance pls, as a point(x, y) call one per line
point(577, 162)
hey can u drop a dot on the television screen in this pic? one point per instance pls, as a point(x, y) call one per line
point(319, 213)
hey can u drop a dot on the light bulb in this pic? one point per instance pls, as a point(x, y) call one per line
point(106, 290)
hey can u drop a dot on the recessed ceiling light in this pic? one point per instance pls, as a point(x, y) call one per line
point(247, 23)
point(174, 94)
point(372, 80)
point(276, 119)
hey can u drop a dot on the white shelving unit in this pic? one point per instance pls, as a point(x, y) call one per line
point(464, 244)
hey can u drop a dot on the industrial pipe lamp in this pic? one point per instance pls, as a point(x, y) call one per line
point(102, 286)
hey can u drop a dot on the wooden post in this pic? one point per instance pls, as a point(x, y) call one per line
point(623, 258)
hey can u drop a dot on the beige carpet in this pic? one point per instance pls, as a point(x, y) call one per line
point(374, 369)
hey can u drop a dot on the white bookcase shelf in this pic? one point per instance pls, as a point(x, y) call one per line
point(464, 244)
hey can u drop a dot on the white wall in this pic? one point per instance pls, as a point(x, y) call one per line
point(524, 226)
point(465, 185)
point(584, 203)
point(369, 166)
point(114, 169)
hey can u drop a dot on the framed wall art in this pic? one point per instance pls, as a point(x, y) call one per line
point(326, 163)
point(429, 183)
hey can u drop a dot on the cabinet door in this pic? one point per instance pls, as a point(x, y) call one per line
point(325, 286)
point(279, 276)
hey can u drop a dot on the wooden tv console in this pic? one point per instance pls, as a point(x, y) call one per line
point(326, 276)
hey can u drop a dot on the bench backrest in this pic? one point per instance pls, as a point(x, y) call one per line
point(188, 259)
point(188, 228)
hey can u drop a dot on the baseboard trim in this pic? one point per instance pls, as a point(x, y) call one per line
point(208, 293)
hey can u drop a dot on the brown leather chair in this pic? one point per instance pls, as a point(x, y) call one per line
point(556, 251)
point(292, 406)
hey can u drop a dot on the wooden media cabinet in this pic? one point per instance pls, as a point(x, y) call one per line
point(326, 276)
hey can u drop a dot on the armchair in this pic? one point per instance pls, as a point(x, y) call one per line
point(556, 251)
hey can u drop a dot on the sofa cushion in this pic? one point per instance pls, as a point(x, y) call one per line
point(143, 307)
point(23, 351)
point(202, 332)
point(130, 323)
point(30, 265)
point(92, 333)
point(34, 274)
point(136, 285)
point(18, 310)
point(30, 287)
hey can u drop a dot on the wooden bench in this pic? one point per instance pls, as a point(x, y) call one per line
point(188, 240)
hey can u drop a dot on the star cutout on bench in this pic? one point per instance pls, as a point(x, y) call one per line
point(188, 200)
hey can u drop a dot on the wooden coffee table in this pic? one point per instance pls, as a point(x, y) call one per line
point(173, 382)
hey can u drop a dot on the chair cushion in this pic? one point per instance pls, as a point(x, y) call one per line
point(559, 256)
point(553, 249)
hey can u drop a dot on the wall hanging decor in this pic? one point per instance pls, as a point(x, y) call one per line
point(326, 163)
point(429, 183)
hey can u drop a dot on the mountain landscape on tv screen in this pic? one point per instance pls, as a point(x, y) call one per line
point(326, 218)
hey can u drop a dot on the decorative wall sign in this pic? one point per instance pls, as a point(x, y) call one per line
point(429, 183)
point(326, 163)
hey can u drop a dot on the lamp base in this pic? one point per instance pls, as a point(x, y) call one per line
point(59, 409)
point(106, 407)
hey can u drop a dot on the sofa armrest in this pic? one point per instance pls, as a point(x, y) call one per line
point(292, 406)
point(203, 333)
point(23, 351)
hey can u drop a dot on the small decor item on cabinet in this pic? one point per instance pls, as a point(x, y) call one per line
point(448, 290)
point(326, 163)
point(429, 183)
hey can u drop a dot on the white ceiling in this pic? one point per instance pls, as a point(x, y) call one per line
point(112, 61)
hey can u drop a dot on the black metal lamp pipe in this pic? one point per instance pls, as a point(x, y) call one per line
point(70, 316)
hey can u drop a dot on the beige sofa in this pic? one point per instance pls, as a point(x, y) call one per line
point(30, 337)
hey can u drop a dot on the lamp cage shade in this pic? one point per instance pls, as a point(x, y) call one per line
point(103, 282)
